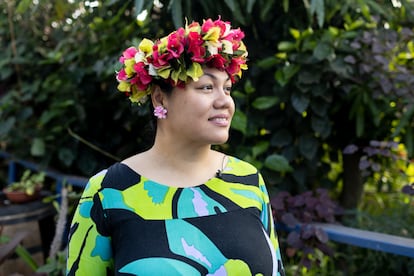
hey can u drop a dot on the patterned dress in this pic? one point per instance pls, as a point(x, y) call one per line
point(126, 224)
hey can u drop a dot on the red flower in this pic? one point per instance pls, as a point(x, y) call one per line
point(128, 53)
point(122, 75)
point(234, 66)
point(217, 61)
point(222, 25)
point(195, 47)
point(175, 43)
point(142, 78)
point(159, 60)
point(207, 25)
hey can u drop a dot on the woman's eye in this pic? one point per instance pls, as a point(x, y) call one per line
point(206, 87)
point(228, 89)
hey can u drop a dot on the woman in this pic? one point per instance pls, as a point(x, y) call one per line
point(179, 208)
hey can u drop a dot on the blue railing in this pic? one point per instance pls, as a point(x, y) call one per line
point(338, 233)
point(60, 178)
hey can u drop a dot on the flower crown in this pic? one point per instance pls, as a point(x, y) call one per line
point(179, 57)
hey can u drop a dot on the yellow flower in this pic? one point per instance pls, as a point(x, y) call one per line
point(195, 71)
point(146, 46)
point(227, 47)
point(179, 75)
point(242, 47)
point(129, 67)
point(138, 96)
point(212, 35)
point(194, 28)
point(124, 86)
point(164, 72)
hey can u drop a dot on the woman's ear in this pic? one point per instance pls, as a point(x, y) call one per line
point(157, 97)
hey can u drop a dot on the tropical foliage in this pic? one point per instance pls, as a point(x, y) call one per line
point(323, 75)
point(327, 101)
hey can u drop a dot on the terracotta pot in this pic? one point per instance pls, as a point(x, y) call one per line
point(21, 196)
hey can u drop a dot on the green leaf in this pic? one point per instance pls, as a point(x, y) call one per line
point(409, 141)
point(267, 9)
point(340, 67)
point(404, 121)
point(308, 146)
point(286, 5)
point(318, 7)
point(309, 77)
point(23, 6)
point(300, 102)
point(260, 148)
point(265, 102)
point(321, 125)
point(249, 6)
point(281, 138)
point(67, 156)
point(25, 255)
point(268, 62)
point(176, 11)
point(284, 75)
point(236, 10)
point(295, 33)
point(231, 4)
point(300, 176)
point(239, 121)
point(139, 5)
point(7, 125)
point(278, 163)
point(286, 46)
point(248, 87)
point(323, 51)
point(38, 147)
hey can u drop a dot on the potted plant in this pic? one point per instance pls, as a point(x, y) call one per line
point(26, 189)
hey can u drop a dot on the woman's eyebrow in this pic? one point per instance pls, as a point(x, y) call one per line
point(214, 77)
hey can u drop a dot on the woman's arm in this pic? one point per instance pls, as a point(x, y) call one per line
point(269, 226)
point(89, 250)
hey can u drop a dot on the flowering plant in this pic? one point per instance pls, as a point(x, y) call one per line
point(179, 57)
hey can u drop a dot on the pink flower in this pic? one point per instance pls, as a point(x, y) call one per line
point(217, 61)
point(128, 53)
point(195, 47)
point(222, 25)
point(160, 112)
point(122, 75)
point(234, 67)
point(175, 43)
point(159, 60)
point(207, 25)
point(142, 78)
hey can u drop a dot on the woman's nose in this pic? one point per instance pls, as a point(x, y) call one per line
point(223, 98)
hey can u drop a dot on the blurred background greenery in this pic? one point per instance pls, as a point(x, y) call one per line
point(327, 101)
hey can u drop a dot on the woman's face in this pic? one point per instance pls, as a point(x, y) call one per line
point(202, 111)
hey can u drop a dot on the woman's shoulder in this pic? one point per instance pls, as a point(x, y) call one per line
point(118, 176)
point(239, 166)
point(241, 172)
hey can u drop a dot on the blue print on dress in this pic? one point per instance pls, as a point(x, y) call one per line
point(195, 203)
point(156, 191)
point(102, 248)
point(85, 209)
point(113, 199)
point(159, 266)
point(195, 245)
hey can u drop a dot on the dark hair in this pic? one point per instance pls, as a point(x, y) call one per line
point(165, 87)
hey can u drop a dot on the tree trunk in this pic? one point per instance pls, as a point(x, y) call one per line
point(353, 186)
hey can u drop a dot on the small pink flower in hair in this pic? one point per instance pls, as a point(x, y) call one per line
point(160, 112)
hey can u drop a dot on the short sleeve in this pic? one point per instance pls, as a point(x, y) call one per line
point(89, 248)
